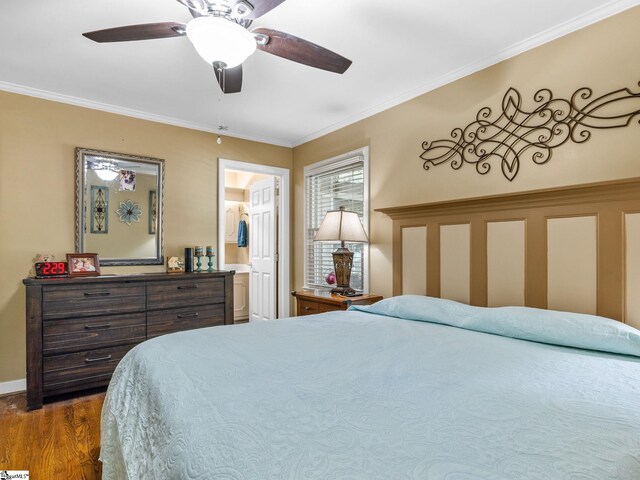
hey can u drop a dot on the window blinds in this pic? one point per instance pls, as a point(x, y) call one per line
point(327, 188)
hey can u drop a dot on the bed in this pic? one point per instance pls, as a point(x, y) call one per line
point(417, 386)
point(432, 389)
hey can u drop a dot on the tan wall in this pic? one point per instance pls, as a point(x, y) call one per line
point(37, 142)
point(603, 56)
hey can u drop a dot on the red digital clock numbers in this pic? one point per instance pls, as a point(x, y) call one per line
point(52, 269)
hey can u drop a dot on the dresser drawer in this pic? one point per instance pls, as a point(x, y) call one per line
point(181, 293)
point(323, 307)
point(307, 308)
point(88, 300)
point(178, 319)
point(85, 369)
point(74, 334)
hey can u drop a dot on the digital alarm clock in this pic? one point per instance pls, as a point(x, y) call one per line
point(51, 269)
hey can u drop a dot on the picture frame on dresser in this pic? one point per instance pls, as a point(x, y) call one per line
point(83, 264)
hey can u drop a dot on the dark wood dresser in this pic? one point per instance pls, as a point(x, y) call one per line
point(78, 329)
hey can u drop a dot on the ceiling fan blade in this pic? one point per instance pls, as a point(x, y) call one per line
point(230, 79)
point(301, 51)
point(146, 31)
point(260, 7)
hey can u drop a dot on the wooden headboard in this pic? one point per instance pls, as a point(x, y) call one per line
point(573, 248)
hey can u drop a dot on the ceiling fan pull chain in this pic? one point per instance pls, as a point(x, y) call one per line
point(220, 96)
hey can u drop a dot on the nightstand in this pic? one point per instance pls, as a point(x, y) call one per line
point(320, 301)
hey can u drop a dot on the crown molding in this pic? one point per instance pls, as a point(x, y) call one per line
point(129, 112)
point(577, 23)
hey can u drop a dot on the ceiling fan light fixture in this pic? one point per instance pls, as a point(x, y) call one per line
point(217, 39)
point(105, 174)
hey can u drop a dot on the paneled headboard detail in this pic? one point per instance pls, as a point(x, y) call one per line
point(573, 248)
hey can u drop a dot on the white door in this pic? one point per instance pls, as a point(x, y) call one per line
point(262, 247)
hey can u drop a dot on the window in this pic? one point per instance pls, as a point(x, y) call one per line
point(329, 185)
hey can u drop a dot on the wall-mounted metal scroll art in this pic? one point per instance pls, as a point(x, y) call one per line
point(100, 209)
point(518, 134)
point(153, 211)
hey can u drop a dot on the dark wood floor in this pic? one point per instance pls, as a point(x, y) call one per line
point(59, 441)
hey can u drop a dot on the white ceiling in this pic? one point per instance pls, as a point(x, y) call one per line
point(396, 55)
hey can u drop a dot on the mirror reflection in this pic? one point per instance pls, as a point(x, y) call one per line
point(119, 207)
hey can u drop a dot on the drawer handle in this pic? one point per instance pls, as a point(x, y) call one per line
point(97, 327)
point(188, 315)
point(187, 287)
point(99, 359)
point(308, 308)
point(97, 294)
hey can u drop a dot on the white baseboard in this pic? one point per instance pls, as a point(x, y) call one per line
point(13, 386)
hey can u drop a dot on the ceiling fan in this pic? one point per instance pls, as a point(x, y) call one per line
point(219, 32)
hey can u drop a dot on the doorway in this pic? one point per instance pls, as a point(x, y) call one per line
point(243, 187)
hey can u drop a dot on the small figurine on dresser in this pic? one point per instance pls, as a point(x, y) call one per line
point(175, 265)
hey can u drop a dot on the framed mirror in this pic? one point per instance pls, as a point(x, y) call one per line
point(119, 206)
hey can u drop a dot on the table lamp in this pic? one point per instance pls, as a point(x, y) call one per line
point(343, 226)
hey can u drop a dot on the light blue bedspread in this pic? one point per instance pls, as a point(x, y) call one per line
point(355, 395)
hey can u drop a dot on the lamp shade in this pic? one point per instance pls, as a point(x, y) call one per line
point(341, 225)
point(217, 39)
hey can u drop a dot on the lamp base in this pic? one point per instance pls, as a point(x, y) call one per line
point(342, 263)
point(346, 291)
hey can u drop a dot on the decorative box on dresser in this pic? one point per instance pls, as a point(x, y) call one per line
point(311, 302)
point(79, 328)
